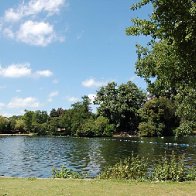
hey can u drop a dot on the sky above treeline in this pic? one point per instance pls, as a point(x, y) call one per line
point(52, 52)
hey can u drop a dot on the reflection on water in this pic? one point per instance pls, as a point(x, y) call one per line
point(35, 156)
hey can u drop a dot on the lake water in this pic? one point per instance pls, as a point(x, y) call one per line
point(23, 156)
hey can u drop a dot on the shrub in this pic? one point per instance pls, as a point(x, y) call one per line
point(170, 168)
point(147, 129)
point(65, 173)
point(191, 174)
point(134, 168)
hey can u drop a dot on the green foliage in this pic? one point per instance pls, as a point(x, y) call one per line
point(157, 117)
point(191, 174)
point(186, 110)
point(185, 128)
point(96, 127)
point(169, 169)
point(103, 128)
point(167, 63)
point(40, 117)
point(87, 129)
point(53, 125)
point(20, 125)
point(28, 120)
point(133, 168)
point(65, 173)
point(120, 104)
point(148, 129)
point(4, 123)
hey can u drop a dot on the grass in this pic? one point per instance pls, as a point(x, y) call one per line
point(47, 187)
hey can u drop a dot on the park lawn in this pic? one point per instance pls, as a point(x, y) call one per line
point(47, 187)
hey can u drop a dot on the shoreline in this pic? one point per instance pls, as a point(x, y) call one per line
point(18, 134)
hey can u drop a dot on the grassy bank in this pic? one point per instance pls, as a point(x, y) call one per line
point(13, 186)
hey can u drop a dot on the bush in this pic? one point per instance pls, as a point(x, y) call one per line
point(134, 168)
point(170, 168)
point(191, 175)
point(65, 173)
point(185, 128)
point(147, 129)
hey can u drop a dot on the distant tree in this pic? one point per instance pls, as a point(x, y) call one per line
point(4, 124)
point(96, 128)
point(120, 105)
point(158, 118)
point(53, 113)
point(20, 125)
point(40, 117)
point(81, 111)
point(28, 120)
point(60, 111)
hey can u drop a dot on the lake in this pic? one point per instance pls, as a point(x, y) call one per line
point(24, 156)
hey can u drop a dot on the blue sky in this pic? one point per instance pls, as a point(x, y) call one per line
point(52, 52)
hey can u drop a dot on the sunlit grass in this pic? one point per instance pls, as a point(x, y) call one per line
point(32, 186)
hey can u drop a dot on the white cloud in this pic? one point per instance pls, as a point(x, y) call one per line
point(50, 6)
point(16, 71)
point(92, 97)
point(27, 22)
point(28, 102)
point(36, 33)
point(8, 33)
point(22, 70)
point(52, 95)
point(72, 99)
point(93, 83)
point(44, 73)
point(12, 15)
point(34, 8)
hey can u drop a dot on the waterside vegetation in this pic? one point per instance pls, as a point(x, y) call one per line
point(168, 168)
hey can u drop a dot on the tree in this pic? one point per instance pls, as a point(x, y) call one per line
point(170, 56)
point(73, 119)
point(120, 104)
point(4, 123)
point(158, 118)
point(40, 117)
point(28, 120)
point(96, 127)
point(54, 113)
point(20, 125)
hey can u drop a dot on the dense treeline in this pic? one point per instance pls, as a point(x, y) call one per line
point(117, 112)
point(124, 108)
point(167, 64)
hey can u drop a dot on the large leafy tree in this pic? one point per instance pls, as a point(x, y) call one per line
point(170, 56)
point(157, 117)
point(4, 123)
point(120, 105)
